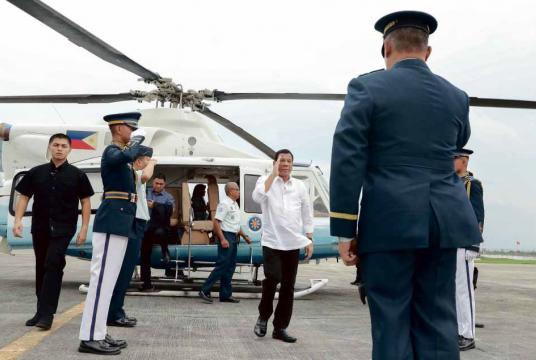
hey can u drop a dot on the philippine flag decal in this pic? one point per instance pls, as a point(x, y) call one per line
point(83, 140)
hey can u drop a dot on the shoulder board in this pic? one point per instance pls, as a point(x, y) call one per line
point(371, 72)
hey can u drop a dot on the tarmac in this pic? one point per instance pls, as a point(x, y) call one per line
point(329, 324)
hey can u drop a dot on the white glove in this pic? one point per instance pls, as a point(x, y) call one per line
point(471, 255)
point(138, 132)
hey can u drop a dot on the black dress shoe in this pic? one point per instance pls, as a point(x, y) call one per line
point(465, 344)
point(260, 327)
point(147, 289)
point(45, 322)
point(121, 322)
point(99, 347)
point(206, 298)
point(32, 321)
point(131, 318)
point(113, 342)
point(230, 300)
point(284, 336)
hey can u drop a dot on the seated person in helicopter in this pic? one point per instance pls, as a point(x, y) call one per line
point(199, 205)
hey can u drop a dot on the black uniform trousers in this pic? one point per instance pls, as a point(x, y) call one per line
point(132, 255)
point(49, 264)
point(411, 296)
point(280, 266)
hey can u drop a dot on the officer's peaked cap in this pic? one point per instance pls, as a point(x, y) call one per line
point(463, 152)
point(131, 119)
point(144, 151)
point(400, 19)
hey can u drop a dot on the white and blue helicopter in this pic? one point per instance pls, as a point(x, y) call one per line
point(188, 151)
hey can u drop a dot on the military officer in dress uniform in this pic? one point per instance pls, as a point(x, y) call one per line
point(395, 142)
point(144, 167)
point(112, 227)
point(465, 291)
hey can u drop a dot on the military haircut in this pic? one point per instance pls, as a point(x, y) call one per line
point(409, 39)
point(59, 136)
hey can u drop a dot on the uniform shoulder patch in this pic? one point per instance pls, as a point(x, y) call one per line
point(371, 72)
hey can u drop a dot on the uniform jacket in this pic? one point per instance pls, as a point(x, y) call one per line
point(475, 192)
point(395, 142)
point(116, 216)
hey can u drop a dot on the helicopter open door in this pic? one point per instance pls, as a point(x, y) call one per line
point(14, 197)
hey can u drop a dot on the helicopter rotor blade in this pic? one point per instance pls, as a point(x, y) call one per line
point(72, 99)
point(223, 96)
point(474, 101)
point(238, 131)
point(82, 37)
point(502, 103)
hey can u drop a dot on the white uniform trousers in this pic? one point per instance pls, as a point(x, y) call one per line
point(465, 295)
point(108, 253)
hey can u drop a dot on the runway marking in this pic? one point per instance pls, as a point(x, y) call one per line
point(31, 339)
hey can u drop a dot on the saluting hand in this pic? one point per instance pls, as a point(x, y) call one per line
point(17, 229)
point(275, 169)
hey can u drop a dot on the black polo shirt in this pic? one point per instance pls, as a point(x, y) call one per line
point(57, 192)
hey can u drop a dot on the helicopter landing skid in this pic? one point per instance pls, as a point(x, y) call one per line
point(241, 291)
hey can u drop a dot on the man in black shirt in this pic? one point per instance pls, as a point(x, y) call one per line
point(57, 188)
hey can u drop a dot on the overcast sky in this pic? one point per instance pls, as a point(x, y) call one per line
point(485, 48)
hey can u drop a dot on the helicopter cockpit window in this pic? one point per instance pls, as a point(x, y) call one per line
point(319, 208)
point(250, 206)
point(15, 196)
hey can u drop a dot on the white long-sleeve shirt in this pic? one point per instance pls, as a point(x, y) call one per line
point(287, 213)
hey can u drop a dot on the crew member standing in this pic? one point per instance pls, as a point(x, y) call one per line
point(395, 142)
point(144, 167)
point(227, 231)
point(57, 187)
point(465, 291)
point(112, 227)
point(287, 216)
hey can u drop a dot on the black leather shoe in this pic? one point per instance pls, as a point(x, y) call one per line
point(465, 344)
point(148, 289)
point(121, 322)
point(45, 322)
point(260, 327)
point(116, 343)
point(230, 300)
point(131, 318)
point(206, 298)
point(99, 347)
point(284, 336)
point(32, 321)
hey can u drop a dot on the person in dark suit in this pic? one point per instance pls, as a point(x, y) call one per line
point(112, 227)
point(395, 142)
point(465, 269)
point(57, 188)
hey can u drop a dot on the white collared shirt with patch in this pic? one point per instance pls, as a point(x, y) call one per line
point(142, 209)
point(286, 212)
point(228, 213)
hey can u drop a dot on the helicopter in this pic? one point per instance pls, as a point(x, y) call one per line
point(188, 151)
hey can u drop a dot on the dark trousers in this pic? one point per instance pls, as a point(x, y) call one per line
point(225, 267)
point(130, 261)
point(151, 237)
point(280, 266)
point(411, 297)
point(49, 264)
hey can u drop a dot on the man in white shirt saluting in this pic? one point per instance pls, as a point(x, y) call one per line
point(287, 215)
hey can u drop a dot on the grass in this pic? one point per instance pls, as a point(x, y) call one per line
point(488, 260)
